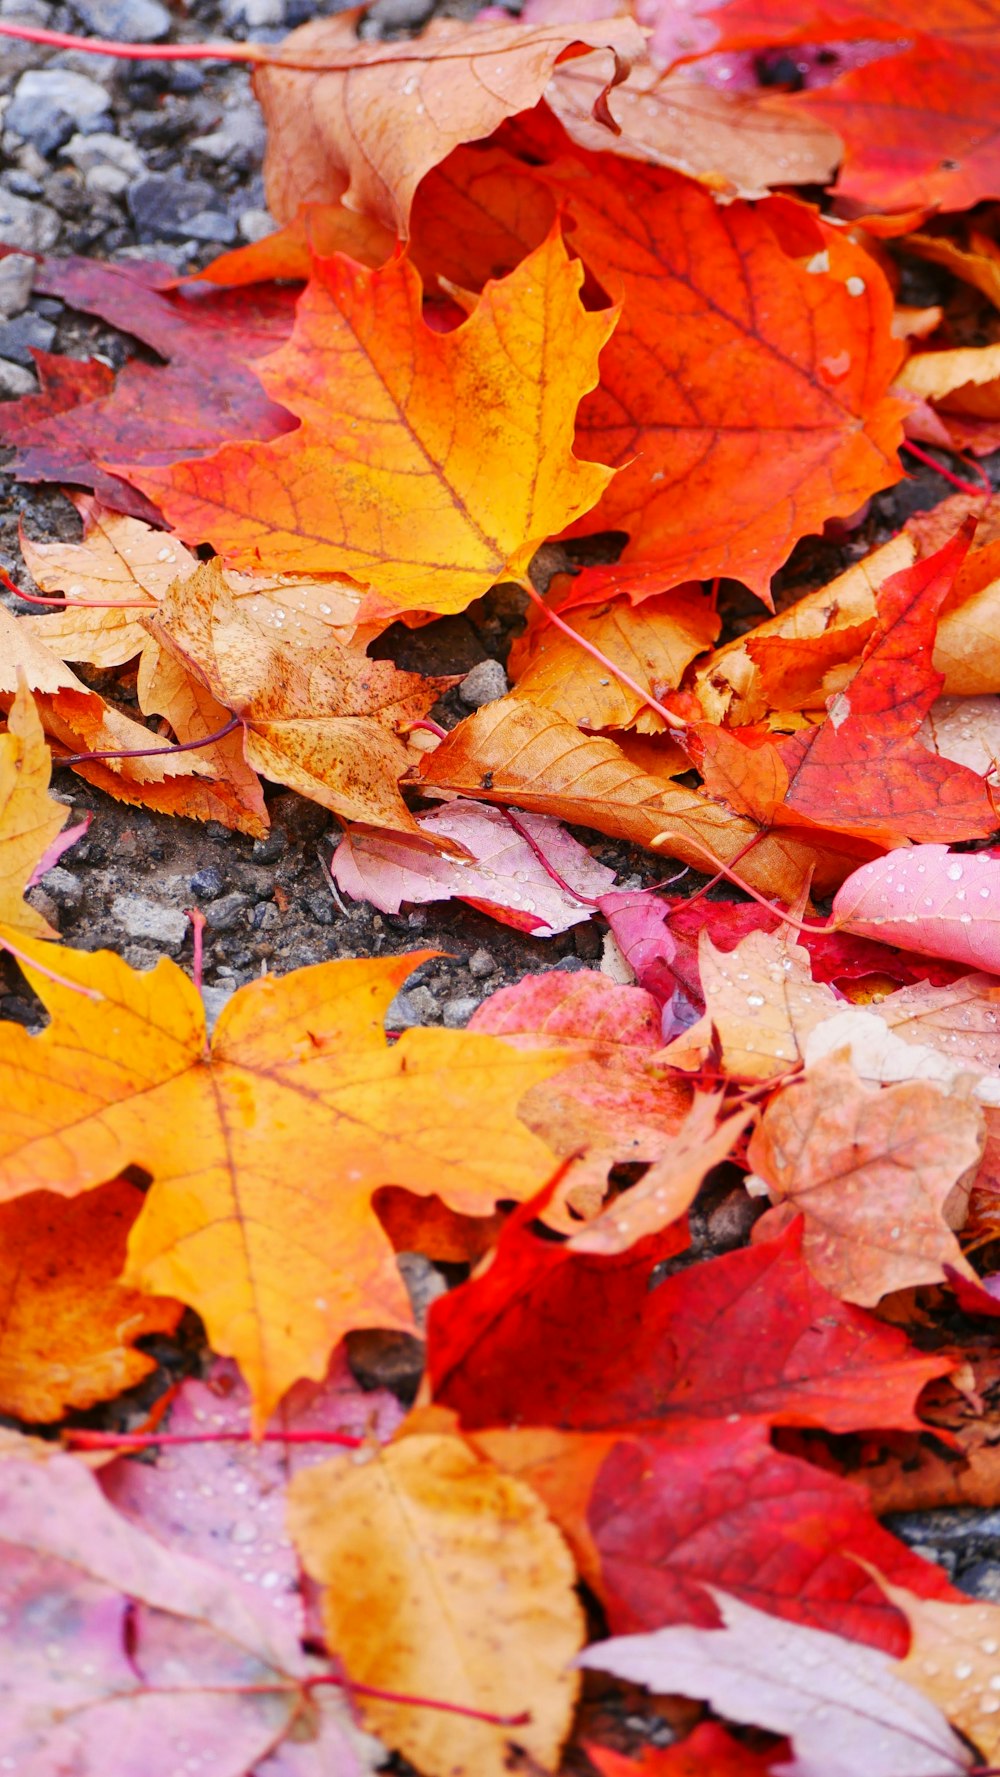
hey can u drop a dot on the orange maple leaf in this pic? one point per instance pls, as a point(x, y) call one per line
point(427, 465)
point(265, 1149)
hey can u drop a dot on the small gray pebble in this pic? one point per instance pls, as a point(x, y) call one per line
point(210, 225)
point(161, 204)
point(213, 999)
point(141, 918)
point(43, 96)
point(269, 849)
point(17, 279)
point(730, 1222)
point(484, 684)
point(481, 964)
point(207, 883)
point(101, 149)
point(139, 956)
point(411, 1007)
point(424, 1284)
point(65, 888)
point(43, 903)
point(458, 1011)
point(132, 21)
point(395, 15)
point(225, 913)
point(14, 380)
point(34, 227)
point(265, 917)
point(255, 225)
point(18, 336)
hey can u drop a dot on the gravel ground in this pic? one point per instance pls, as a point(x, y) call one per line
point(117, 159)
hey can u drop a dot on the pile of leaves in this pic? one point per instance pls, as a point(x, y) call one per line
point(613, 308)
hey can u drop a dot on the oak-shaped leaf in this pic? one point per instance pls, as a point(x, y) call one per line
point(265, 1149)
point(842, 1704)
point(145, 1649)
point(427, 465)
point(373, 1531)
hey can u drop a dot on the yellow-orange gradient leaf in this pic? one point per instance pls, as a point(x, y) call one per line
point(29, 817)
point(427, 465)
point(444, 1578)
point(953, 1660)
point(264, 1149)
point(384, 114)
point(67, 1325)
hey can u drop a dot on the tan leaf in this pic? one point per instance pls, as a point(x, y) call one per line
point(29, 817)
point(953, 1661)
point(738, 143)
point(444, 1579)
point(384, 114)
point(761, 1003)
point(880, 1175)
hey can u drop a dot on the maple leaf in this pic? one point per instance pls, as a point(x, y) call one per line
point(383, 114)
point(206, 393)
point(384, 479)
point(69, 1328)
point(654, 645)
point(146, 1647)
point(761, 1002)
point(326, 720)
point(273, 1240)
point(608, 1100)
point(976, 259)
point(30, 819)
point(843, 1705)
point(511, 751)
point(768, 411)
point(877, 1173)
point(739, 143)
point(371, 1531)
point(751, 1333)
point(497, 869)
point(927, 898)
point(864, 771)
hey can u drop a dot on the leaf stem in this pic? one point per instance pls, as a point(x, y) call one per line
point(29, 962)
point(617, 672)
point(152, 1440)
point(181, 746)
point(58, 604)
point(549, 868)
point(964, 487)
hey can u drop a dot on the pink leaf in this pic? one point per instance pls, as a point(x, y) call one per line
point(841, 1702)
point(499, 873)
point(62, 842)
point(928, 898)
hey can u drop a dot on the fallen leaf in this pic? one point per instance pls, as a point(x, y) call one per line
point(654, 645)
point(30, 819)
point(372, 1532)
point(326, 721)
point(370, 126)
point(752, 1333)
point(740, 144)
point(708, 1752)
point(637, 920)
point(383, 478)
point(273, 1241)
point(761, 1002)
point(713, 1504)
point(976, 260)
point(497, 870)
point(927, 898)
point(144, 1646)
point(881, 1176)
point(964, 729)
point(805, 339)
point(225, 1502)
point(69, 1328)
point(512, 752)
point(670, 1186)
point(842, 1704)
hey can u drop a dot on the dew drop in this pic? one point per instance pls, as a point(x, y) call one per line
point(954, 872)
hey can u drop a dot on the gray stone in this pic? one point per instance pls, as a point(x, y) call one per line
point(253, 15)
point(17, 279)
point(109, 163)
point(481, 964)
point(65, 888)
point(226, 913)
point(458, 1011)
point(142, 918)
point(26, 224)
point(132, 21)
point(380, 1359)
point(15, 381)
point(265, 917)
point(162, 203)
point(49, 103)
point(240, 136)
point(424, 1284)
point(44, 904)
point(213, 999)
point(730, 1222)
point(484, 684)
point(18, 336)
point(207, 883)
point(255, 225)
point(211, 225)
point(411, 1007)
point(26, 12)
point(269, 849)
point(384, 16)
